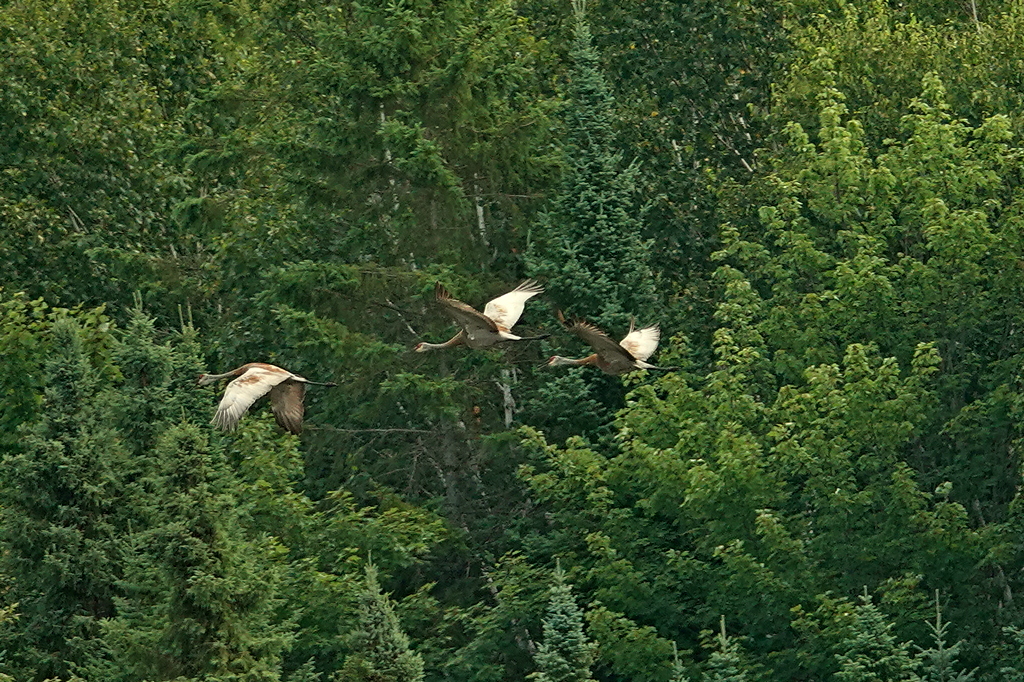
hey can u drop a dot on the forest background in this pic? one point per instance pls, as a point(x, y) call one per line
point(819, 201)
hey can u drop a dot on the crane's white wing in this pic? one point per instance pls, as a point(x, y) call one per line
point(506, 309)
point(242, 392)
point(641, 343)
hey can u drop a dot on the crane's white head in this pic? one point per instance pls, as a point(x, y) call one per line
point(205, 380)
point(421, 347)
point(558, 361)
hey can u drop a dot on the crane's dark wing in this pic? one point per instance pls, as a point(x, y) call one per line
point(467, 318)
point(286, 402)
point(606, 347)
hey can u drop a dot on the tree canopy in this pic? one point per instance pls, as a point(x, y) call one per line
point(820, 203)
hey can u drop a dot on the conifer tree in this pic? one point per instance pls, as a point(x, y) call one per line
point(940, 661)
point(200, 594)
point(381, 652)
point(678, 669)
point(58, 524)
point(871, 653)
point(565, 655)
point(159, 378)
point(1012, 654)
point(432, 108)
point(589, 247)
point(25, 344)
point(725, 664)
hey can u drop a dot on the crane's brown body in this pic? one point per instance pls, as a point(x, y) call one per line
point(611, 357)
point(492, 326)
point(253, 381)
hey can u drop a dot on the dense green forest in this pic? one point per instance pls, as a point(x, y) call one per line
point(820, 202)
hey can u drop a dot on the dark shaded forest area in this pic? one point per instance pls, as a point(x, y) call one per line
point(820, 202)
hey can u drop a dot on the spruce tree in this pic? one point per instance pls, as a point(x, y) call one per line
point(1012, 658)
point(589, 246)
point(678, 669)
point(381, 650)
point(940, 661)
point(200, 594)
point(725, 663)
point(59, 503)
point(565, 655)
point(871, 653)
point(159, 381)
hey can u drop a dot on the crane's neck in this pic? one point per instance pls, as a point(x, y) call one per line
point(207, 379)
point(456, 340)
point(559, 361)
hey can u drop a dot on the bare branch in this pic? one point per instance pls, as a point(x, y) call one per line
point(338, 430)
point(401, 314)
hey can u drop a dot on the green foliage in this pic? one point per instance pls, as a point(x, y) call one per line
point(380, 651)
point(908, 234)
point(564, 654)
point(158, 380)
point(627, 648)
point(285, 181)
point(199, 595)
point(879, 55)
point(589, 245)
point(94, 94)
point(1013, 654)
point(62, 498)
point(692, 116)
point(725, 663)
point(678, 669)
point(939, 662)
point(870, 651)
point(496, 634)
point(26, 340)
point(410, 129)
